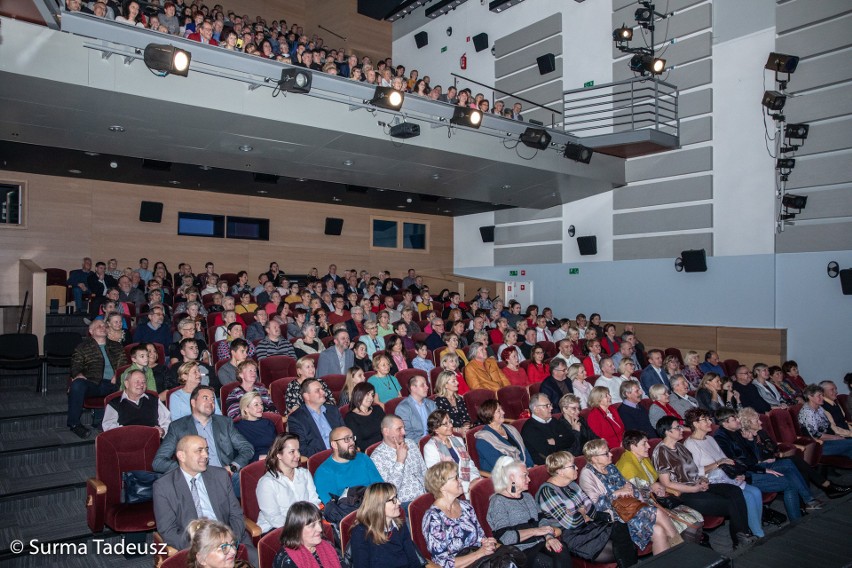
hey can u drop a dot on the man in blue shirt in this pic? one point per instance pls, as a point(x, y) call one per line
point(346, 467)
point(154, 331)
point(711, 364)
point(314, 420)
point(416, 408)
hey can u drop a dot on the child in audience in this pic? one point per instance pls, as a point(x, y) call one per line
point(139, 362)
point(420, 361)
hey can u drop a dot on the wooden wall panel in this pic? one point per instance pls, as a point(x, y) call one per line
point(71, 218)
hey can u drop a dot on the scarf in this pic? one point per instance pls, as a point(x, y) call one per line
point(506, 448)
point(303, 558)
point(667, 408)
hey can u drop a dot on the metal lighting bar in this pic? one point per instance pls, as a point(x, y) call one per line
point(443, 7)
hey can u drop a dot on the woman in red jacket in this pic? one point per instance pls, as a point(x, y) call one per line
point(537, 371)
point(603, 421)
point(592, 362)
point(610, 342)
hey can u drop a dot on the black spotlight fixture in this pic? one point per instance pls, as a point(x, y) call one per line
point(623, 34)
point(785, 164)
point(773, 100)
point(405, 130)
point(464, 116)
point(167, 59)
point(578, 153)
point(796, 131)
point(781, 63)
point(643, 64)
point(386, 97)
point(644, 16)
point(791, 201)
point(295, 80)
point(536, 138)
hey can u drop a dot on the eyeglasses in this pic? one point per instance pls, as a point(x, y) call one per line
point(347, 439)
point(677, 427)
point(548, 405)
point(226, 546)
point(571, 465)
point(606, 453)
point(447, 423)
point(394, 500)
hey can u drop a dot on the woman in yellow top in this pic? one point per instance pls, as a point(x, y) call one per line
point(637, 468)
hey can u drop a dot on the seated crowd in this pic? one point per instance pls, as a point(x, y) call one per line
point(384, 378)
point(278, 42)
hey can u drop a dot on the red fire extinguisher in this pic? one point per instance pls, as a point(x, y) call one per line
point(463, 61)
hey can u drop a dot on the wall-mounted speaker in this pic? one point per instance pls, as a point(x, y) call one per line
point(487, 233)
point(421, 39)
point(546, 63)
point(480, 42)
point(694, 260)
point(588, 245)
point(151, 212)
point(333, 226)
point(846, 281)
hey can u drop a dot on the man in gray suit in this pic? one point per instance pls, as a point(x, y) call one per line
point(338, 359)
point(227, 447)
point(416, 408)
point(193, 491)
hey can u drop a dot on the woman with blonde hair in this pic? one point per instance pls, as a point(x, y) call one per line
point(354, 376)
point(212, 545)
point(447, 399)
point(305, 369)
point(259, 431)
point(379, 537)
point(691, 372)
point(660, 407)
point(581, 387)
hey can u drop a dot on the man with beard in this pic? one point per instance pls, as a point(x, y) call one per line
point(346, 467)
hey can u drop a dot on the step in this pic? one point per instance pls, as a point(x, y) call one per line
point(29, 440)
point(37, 456)
point(18, 481)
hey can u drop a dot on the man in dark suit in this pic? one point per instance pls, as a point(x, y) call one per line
point(98, 281)
point(634, 416)
point(544, 435)
point(192, 491)
point(314, 420)
point(329, 362)
point(227, 446)
point(556, 385)
point(654, 374)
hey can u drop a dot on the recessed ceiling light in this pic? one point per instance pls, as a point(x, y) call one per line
point(348, 162)
point(507, 186)
point(447, 211)
point(75, 172)
point(174, 182)
point(409, 200)
point(205, 168)
point(336, 199)
point(262, 191)
point(92, 154)
point(246, 148)
point(436, 176)
point(116, 128)
point(301, 179)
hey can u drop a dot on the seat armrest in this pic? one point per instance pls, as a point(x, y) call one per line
point(484, 473)
point(253, 528)
point(96, 492)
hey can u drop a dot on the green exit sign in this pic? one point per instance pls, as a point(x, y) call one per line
point(443, 49)
point(573, 271)
point(588, 84)
point(513, 273)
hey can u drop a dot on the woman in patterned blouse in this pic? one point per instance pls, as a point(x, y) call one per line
point(450, 524)
point(814, 421)
point(448, 400)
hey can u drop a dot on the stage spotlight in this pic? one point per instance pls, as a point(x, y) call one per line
point(644, 16)
point(167, 59)
point(791, 201)
point(295, 80)
point(622, 34)
point(773, 100)
point(387, 97)
point(578, 153)
point(785, 164)
point(465, 116)
point(796, 131)
point(647, 64)
point(782, 63)
point(536, 138)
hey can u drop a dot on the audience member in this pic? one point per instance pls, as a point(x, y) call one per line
point(497, 438)
point(136, 407)
point(314, 419)
point(365, 416)
point(414, 410)
point(398, 460)
point(346, 467)
point(541, 433)
point(302, 540)
point(283, 484)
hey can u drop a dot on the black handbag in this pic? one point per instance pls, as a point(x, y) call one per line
point(588, 540)
point(139, 485)
point(506, 556)
point(733, 471)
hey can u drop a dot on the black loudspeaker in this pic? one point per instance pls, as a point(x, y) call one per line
point(487, 234)
point(421, 39)
point(688, 554)
point(546, 63)
point(151, 212)
point(333, 226)
point(694, 260)
point(846, 281)
point(588, 245)
point(480, 42)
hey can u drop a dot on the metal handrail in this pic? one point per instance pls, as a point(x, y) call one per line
point(638, 103)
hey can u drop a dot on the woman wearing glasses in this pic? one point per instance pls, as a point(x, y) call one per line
point(604, 484)
point(379, 538)
point(680, 476)
point(443, 446)
point(586, 532)
point(303, 545)
point(212, 545)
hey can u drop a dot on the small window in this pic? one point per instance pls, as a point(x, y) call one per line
point(11, 204)
point(384, 233)
point(201, 225)
point(414, 236)
point(248, 228)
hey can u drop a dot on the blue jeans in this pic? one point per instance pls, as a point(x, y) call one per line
point(78, 298)
point(754, 504)
point(79, 391)
point(791, 485)
point(837, 447)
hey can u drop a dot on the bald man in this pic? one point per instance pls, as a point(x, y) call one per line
point(194, 490)
point(347, 467)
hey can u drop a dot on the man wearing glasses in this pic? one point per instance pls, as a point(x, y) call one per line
point(194, 491)
point(346, 467)
point(542, 434)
